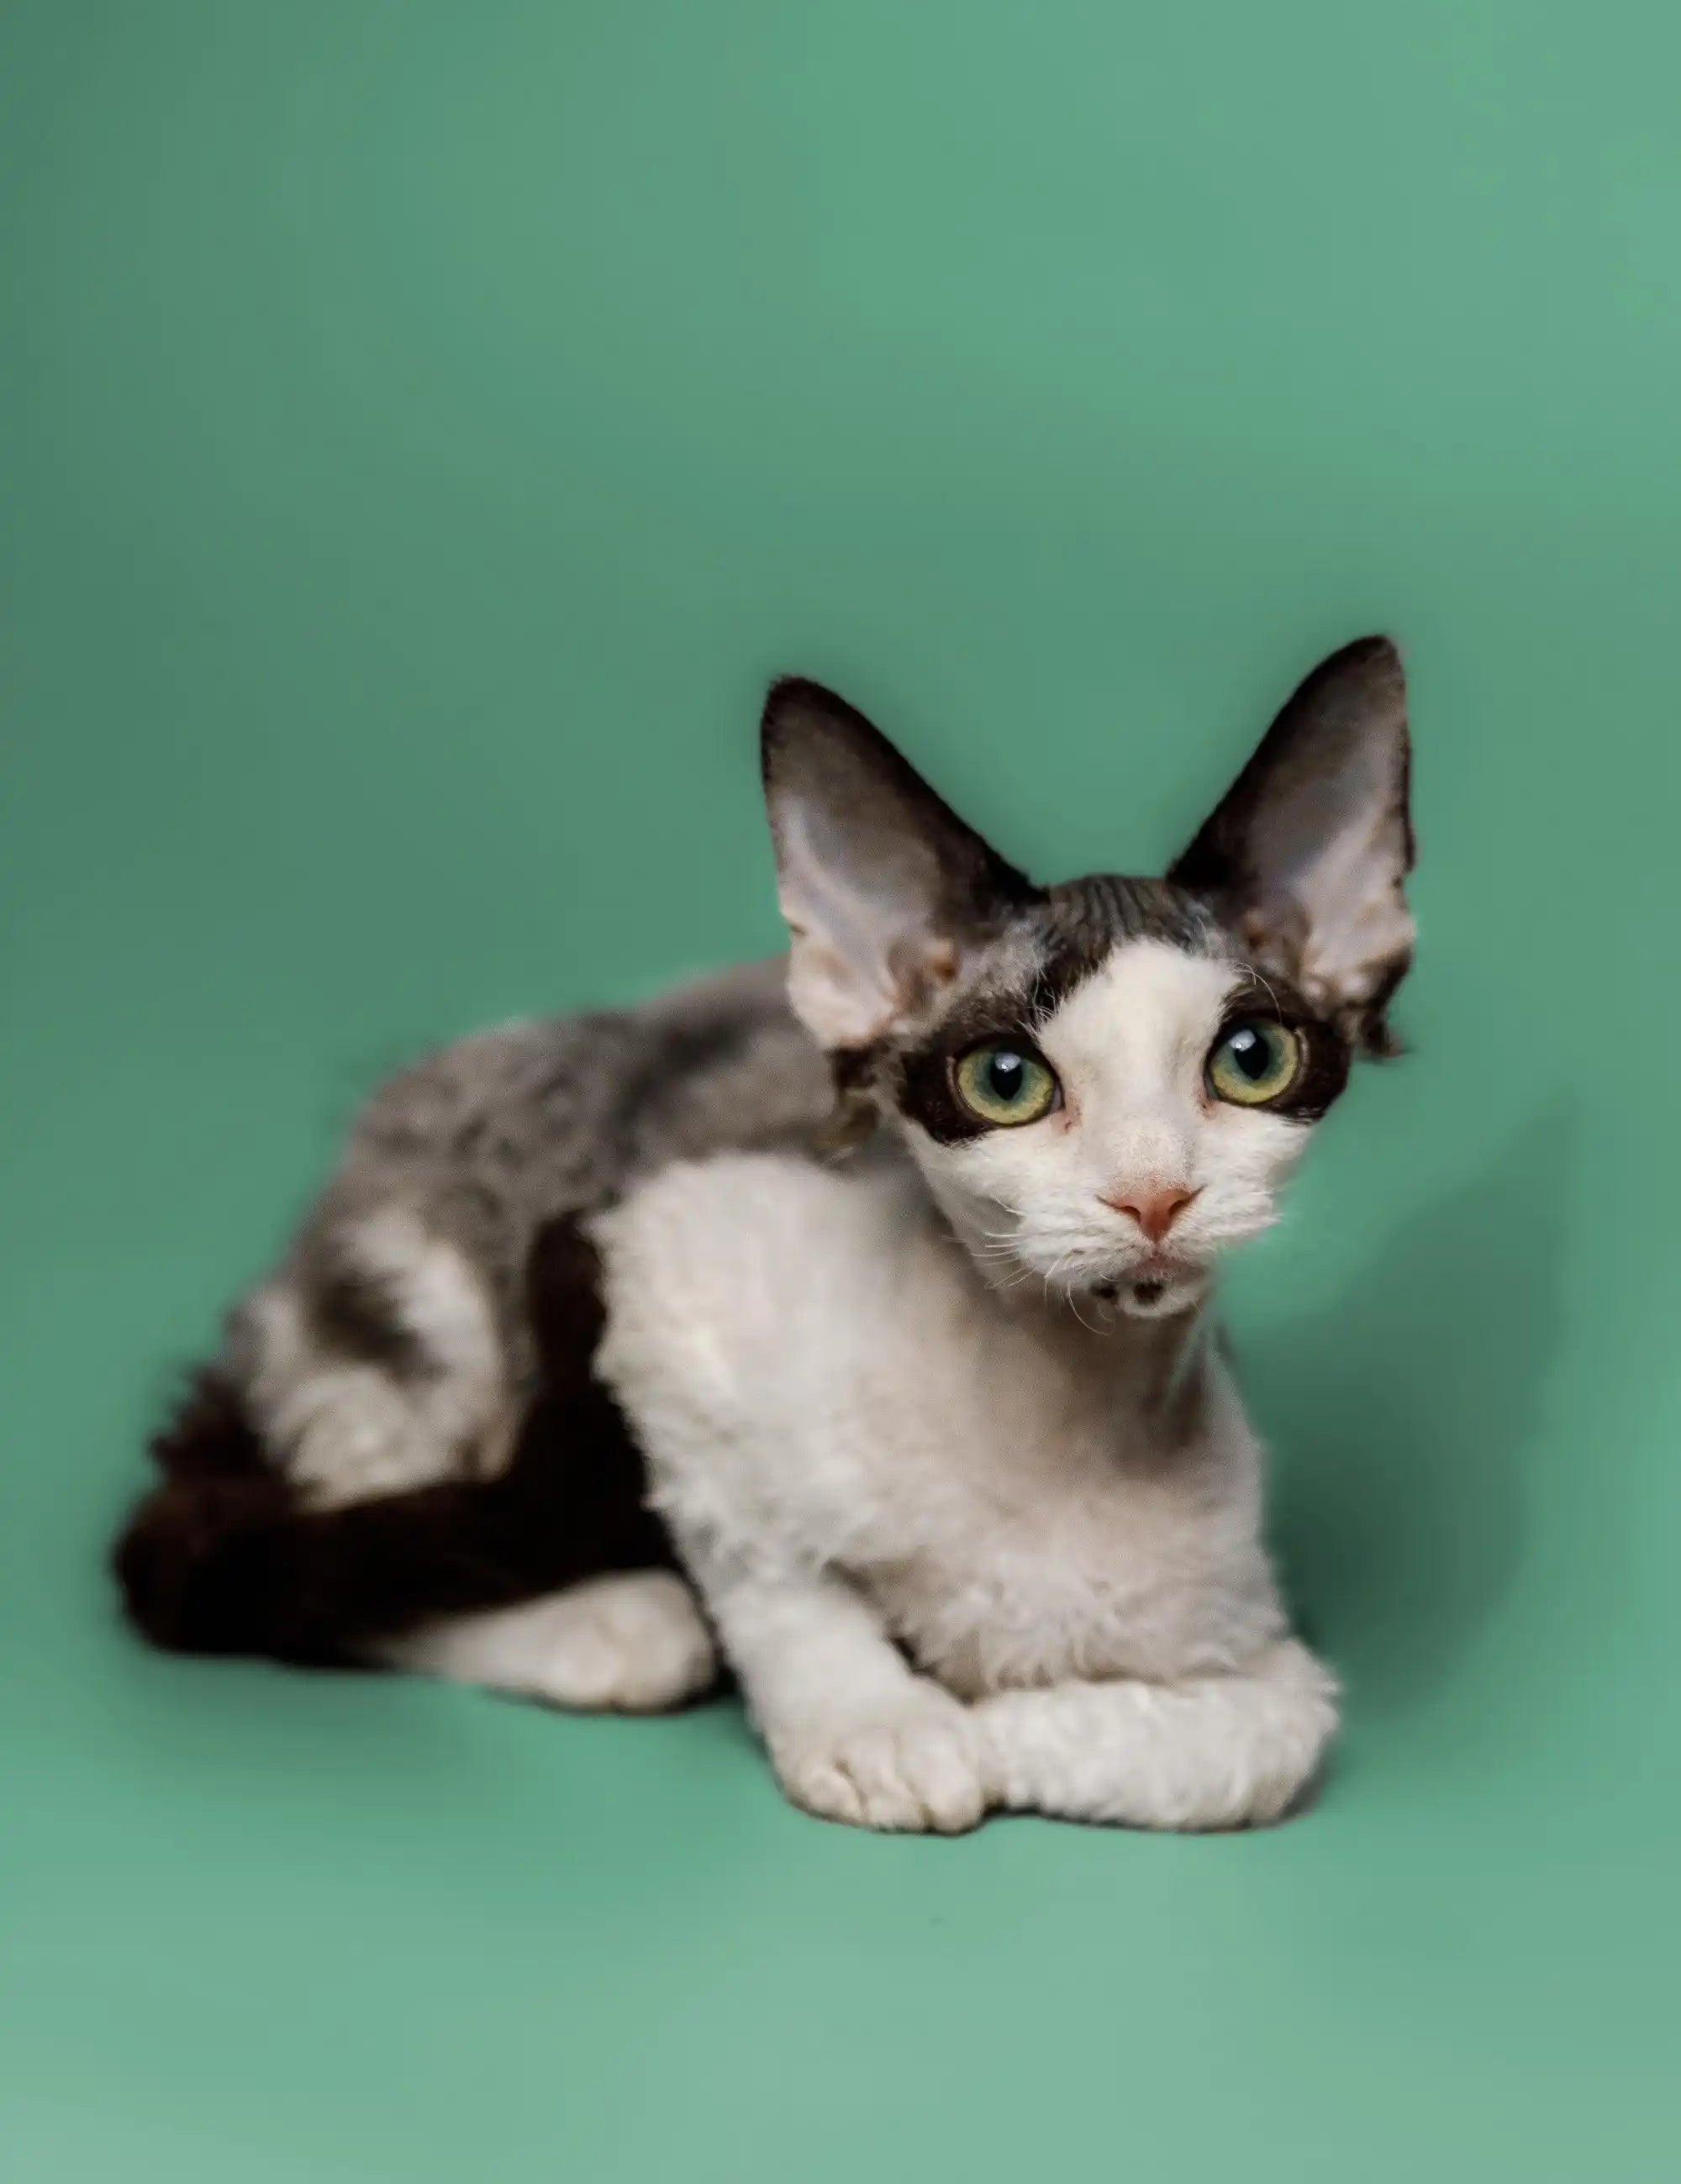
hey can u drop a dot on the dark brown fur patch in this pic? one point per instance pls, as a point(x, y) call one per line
point(219, 1558)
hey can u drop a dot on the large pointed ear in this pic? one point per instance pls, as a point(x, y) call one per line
point(1306, 858)
point(884, 887)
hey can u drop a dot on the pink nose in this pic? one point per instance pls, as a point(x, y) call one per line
point(1154, 1210)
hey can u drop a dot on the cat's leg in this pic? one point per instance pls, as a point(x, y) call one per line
point(724, 1294)
point(633, 1643)
point(852, 1733)
point(1213, 1752)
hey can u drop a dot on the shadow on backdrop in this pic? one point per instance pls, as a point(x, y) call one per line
point(1403, 1420)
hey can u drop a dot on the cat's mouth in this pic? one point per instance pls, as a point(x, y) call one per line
point(1152, 1284)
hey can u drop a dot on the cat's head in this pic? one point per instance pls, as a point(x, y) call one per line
point(1105, 1082)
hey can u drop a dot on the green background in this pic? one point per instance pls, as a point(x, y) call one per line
point(426, 427)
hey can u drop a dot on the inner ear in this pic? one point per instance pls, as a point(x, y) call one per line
point(1305, 857)
point(883, 887)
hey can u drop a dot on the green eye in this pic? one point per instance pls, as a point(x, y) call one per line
point(1255, 1062)
point(1005, 1084)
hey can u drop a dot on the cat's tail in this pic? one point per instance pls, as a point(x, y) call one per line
point(225, 1556)
point(221, 1557)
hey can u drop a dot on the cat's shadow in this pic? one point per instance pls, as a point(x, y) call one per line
point(1403, 1419)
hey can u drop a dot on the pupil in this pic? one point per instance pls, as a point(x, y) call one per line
point(1252, 1055)
point(1004, 1076)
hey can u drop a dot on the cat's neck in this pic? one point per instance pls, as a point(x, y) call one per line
point(1158, 1365)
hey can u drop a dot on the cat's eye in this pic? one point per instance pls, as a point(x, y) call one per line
point(1255, 1062)
point(1005, 1084)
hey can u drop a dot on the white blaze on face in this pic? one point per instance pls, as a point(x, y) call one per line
point(1130, 1046)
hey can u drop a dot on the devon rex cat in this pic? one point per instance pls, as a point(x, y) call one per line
point(939, 1429)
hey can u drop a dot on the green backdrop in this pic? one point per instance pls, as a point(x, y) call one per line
point(426, 425)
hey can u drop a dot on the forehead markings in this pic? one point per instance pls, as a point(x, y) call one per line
point(1120, 982)
point(1150, 1007)
point(1101, 958)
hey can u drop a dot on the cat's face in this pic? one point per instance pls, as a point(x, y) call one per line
point(1105, 1082)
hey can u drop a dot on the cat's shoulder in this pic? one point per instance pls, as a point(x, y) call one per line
point(733, 1211)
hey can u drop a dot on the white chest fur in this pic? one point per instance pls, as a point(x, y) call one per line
point(824, 1382)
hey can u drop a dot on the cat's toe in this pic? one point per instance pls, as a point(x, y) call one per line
point(914, 1771)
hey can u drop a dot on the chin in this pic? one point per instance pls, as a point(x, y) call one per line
point(1154, 1293)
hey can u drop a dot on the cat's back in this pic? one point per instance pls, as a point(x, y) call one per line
point(488, 1139)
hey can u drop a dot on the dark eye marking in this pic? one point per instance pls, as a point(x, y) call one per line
point(1255, 1062)
point(1272, 1052)
point(1005, 1082)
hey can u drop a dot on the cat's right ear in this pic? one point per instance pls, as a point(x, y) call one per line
point(884, 887)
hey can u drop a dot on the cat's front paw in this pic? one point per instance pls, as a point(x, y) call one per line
point(912, 1766)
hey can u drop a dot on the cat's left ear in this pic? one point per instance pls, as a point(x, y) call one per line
point(1306, 857)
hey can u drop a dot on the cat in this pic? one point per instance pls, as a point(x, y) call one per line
point(848, 1317)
